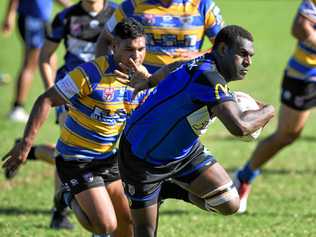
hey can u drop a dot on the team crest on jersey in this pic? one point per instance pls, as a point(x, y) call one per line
point(186, 19)
point(108, 94)
point(94, 24)
point(149, 19)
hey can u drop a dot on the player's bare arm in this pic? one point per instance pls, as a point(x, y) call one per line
point(9, 20)
point(104, 44)
point(38, 116)
point(303, 29)
point(242, 123)
point(46, 63)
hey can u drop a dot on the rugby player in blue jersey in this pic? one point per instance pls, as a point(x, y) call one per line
point(87, 156)
point(32, 20)
point(175, 31)
point(161, 138)
point(298, 97)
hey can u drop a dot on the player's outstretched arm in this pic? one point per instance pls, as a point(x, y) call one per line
point(18, 154)
point(47, 63)
point(242, 123)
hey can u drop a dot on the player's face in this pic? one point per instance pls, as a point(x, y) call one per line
point(238, 59)
point(130, 48)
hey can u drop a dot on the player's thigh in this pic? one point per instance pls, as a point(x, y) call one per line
point(119, 200)
point(291, 121)
point(96, 204)
point(209, 180)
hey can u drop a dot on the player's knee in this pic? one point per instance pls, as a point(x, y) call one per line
point(104, 225)
point(288, 138)
point(224, 200)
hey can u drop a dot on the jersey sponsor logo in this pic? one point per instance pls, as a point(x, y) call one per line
point(199, 120)
point(109, 117)
point(220, 88)
point(67, 86)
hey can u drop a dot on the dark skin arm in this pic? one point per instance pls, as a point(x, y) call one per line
point(303, 29)
point(104, 44)
point(242, 123)
point(18, 154)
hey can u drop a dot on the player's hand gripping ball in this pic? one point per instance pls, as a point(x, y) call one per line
point(246, 102)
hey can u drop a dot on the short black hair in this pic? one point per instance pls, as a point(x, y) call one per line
point(231, 34)
point(129, 28)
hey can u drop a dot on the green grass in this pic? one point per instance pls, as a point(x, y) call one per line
point(283, 200)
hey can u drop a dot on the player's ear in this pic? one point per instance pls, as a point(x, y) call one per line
point(222, 48)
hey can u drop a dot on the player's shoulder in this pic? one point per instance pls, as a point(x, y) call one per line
point(206, 71)
point(68, 11)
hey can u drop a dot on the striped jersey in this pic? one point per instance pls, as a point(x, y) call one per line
point(181, 25)
point(302, 65)
point(79, 30)
point(166, 127)
point(98, 108)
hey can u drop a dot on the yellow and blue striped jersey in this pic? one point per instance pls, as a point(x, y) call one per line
point(302, 65)
point(181, 25)
point(99, 106)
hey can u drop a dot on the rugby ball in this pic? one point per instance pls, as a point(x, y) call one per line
point(246, 102)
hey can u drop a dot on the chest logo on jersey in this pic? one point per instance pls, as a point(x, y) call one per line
point(186, 19)
point(219, 89)
point(149, 19)
point(108, 94)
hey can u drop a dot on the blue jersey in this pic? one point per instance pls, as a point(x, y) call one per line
point(79, 30)
point(168, 124)
point(36, 8)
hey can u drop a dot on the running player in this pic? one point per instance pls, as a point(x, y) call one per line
point(33, 17)
point(298, 97)
point(160, 139)
point(175, 29)
point(87, 160)
point(78, 27)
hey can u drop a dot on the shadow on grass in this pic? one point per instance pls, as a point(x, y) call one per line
point(274, 214)
point(225, 137)
point(270, 171)
point(13, 211)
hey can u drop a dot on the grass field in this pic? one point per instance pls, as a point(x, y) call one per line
point(283, 200)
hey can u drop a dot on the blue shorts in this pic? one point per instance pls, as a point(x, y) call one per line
point(32, 31)
point(142, 181)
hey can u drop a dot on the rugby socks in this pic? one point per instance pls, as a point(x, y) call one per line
point(18, 104)
point(247, 174)
point(31, 155)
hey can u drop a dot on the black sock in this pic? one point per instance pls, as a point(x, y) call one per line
point(18, 104)
point(171, 190)
point(31, 155)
